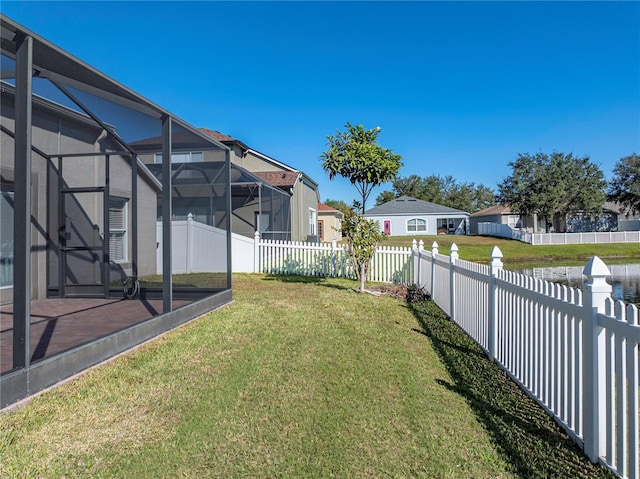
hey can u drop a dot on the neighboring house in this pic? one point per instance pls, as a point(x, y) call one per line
point(622, 212)
point(303, 190)
point(613, 218)
point(502, 215)
point(329, 223)
point(406, 216)
point(267, 196)
point(605, 221)
point(610, 219)
point(256, 205)
point(78, 216)
point(626, 220)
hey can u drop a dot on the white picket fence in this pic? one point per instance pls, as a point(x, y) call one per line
point(389, 264)
point(600, 237)
point(575, 352)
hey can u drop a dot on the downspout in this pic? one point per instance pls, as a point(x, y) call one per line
point(259, 225)
point(59, 135)
point(97, 209)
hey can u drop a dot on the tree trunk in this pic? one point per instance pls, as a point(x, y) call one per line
point(362, 277)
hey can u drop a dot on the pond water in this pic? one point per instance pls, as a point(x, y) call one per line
point(625, 279)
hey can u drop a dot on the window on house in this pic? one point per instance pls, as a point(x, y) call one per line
point(321, 230)
point(313, 221)
point(446, 223)
point(118, 222)
point(182, 157)
point(416, 224)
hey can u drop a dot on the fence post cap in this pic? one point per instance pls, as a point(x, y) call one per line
point(421, 244)
point(496, 260)
point(595, 269)
point(434, 245)
point(414, 244)
point(256, 235)
point(454, 252)
point(189, 216)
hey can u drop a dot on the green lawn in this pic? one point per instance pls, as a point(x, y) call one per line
point(300, 377)
point(520, 255)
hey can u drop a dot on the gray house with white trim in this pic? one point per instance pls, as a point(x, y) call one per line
point(407, 216)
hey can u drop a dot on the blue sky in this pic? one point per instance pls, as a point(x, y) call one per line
point(458, 88)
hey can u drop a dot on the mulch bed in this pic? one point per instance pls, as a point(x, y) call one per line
point(399, 291)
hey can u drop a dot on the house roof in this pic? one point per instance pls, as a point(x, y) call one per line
point(216, 135)
point(222, 138)
point(326, 209)
point(406, 205)
point(612, 207)
point(323, 207)
point(228, 140)
point(293, 175)
point(181, 139)
point(282, 179)
point(493, 210)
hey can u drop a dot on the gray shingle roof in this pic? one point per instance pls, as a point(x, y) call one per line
point(405, 205)
point(494, 210)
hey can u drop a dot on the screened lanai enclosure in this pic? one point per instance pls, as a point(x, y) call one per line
point(80, 236)
point(255, 205)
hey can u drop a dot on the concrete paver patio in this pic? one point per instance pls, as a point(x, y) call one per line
point(61, 324)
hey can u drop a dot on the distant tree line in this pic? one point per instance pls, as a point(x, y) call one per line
point(443, 190)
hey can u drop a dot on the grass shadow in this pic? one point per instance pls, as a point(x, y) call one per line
point(283, 278)
point(524, 434)
point(317, 280)
point(461, 349)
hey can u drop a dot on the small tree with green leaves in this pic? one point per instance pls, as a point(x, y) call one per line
point(355, 155)
point(362, 237)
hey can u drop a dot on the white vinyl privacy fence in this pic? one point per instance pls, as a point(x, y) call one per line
point(600, 237)
point(574, 351)
point(196, 247)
